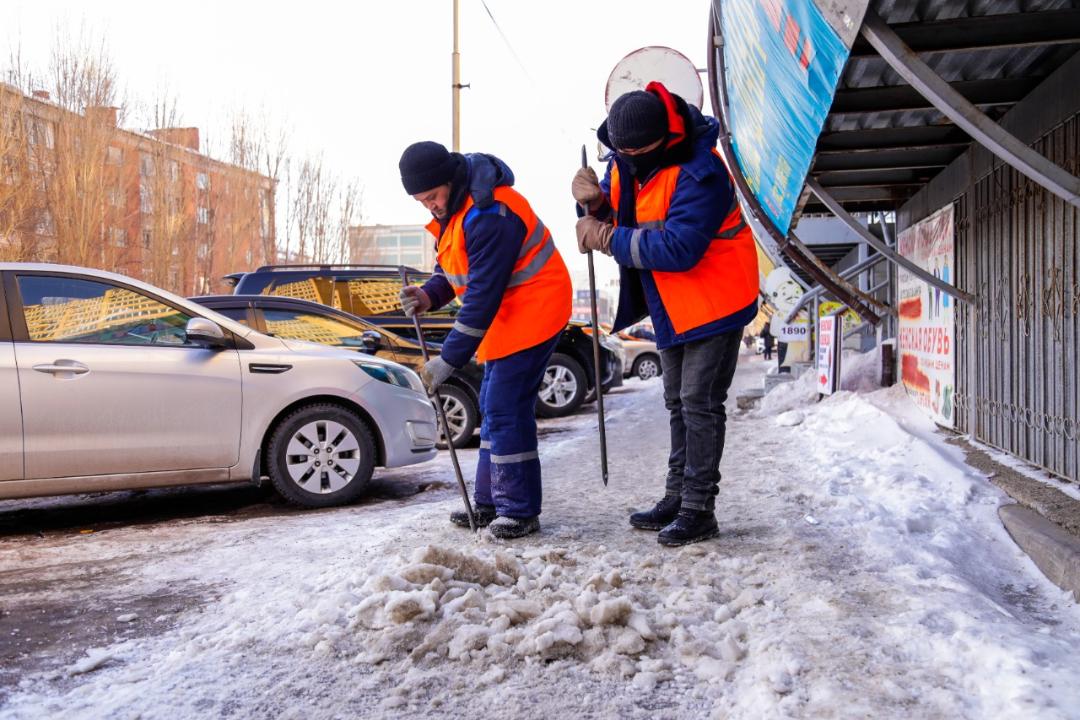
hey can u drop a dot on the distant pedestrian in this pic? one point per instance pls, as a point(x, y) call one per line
point(767, 339)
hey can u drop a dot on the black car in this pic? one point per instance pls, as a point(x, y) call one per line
point(371, 292)
point(295, 319)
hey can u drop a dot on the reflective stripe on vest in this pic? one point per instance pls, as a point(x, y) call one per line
point(722, 283)
point(537, 302)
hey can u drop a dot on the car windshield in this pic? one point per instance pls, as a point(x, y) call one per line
point(363, 296)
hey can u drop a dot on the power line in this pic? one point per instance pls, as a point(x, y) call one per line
point(506, 41)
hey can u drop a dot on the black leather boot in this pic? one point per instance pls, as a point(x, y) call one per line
point(659, 516)
point(690, 526)
point(482, 514)
point(508, 528)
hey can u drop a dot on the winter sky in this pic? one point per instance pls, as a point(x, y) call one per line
point(361, 80)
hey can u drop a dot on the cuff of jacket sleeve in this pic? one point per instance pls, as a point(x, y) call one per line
point(625, 247)
point(458, 348)
point(439, 291)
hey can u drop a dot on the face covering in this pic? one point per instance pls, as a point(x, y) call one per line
point(643, 165)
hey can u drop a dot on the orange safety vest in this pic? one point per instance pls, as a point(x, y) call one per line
point(537, 302)
point(723, 282)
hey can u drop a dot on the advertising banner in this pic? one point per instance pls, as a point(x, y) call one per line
point(927, 331)
point(783, 59)
point(828, 356)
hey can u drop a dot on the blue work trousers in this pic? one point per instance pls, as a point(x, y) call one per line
point(508, 471)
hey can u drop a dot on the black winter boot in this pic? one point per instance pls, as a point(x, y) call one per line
point(690, 526)
point(508, 528)
point(482, 514)
point(659, 516)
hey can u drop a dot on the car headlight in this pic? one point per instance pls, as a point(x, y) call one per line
point(400, 376)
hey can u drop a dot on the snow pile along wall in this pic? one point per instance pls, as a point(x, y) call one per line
point(860, 372)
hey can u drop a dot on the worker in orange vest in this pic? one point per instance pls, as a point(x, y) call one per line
point(499, 259)
point(666, 211)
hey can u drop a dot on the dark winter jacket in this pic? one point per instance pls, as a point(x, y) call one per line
point(492, 243)
point(702, 199)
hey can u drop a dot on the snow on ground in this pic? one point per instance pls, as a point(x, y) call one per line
point(1027, 470)
point(861, 571)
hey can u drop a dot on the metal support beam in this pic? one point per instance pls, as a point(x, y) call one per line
point(886, 234)
point(897, 137)
point(882, 248)
point(1010, 30)
point(847, 274)
point(855, 330)
point(904, 98)
point(950, 102)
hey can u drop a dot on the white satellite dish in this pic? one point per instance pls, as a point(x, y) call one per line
point(655, 63)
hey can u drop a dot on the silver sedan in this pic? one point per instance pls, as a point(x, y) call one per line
point(107, 383)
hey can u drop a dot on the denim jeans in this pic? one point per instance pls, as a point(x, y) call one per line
point(697, 376)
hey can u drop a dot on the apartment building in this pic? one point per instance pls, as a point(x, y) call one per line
point(76, 188)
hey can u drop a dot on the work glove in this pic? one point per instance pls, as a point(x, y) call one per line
point(434, 373)
point(414, 301)
point(592, 234)
point(586, 189)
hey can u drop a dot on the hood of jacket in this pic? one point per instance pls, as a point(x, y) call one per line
point(477, 175)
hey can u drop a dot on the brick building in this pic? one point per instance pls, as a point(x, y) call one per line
point(77, 189)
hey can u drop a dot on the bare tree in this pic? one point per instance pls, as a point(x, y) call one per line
point(81, 73)
point(350, 203)
point(320, 208)
point(260, 147)
point(21, 208)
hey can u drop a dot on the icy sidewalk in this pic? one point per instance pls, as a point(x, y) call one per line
point(862, 572)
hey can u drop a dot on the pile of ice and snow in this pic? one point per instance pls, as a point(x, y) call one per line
point(493, 606)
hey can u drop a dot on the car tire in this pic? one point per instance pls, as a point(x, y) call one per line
point(461, 413)
point(324, 428)
point(647, 366)
point(563, 388)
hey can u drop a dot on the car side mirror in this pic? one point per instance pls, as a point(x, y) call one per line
point(370, 341)
point(201, 331)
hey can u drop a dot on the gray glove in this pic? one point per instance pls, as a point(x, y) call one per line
point(414, 301)
point(592, 234)
point(434, 373)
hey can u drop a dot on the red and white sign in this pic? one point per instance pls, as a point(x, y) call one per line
point(927, 331)
point(828, 355)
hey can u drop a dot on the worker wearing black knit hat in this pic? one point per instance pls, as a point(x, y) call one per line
point(500, 260)
point(666, 212)
point(425, 165)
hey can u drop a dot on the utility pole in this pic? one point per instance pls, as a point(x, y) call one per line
point(456, 84)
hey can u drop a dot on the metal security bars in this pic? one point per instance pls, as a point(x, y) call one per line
point(1017, 348)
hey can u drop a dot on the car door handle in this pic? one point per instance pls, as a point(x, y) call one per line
point(73, 368)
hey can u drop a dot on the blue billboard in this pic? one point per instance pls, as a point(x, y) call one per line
point(783, 60)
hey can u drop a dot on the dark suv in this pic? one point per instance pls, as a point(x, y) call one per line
point(371, 292)
point(294, 319)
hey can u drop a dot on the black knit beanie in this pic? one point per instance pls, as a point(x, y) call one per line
point(636, 120)
point(425, 165)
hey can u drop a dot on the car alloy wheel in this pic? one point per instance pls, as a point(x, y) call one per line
point(322, 456)
point(648, 368)
point(462, 415)
point(559, 386)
